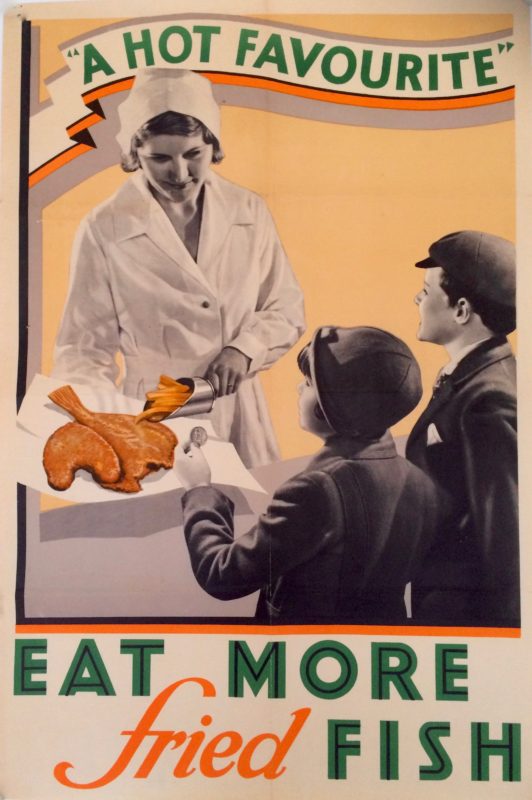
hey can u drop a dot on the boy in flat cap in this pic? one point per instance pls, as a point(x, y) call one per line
point(466, 439)
point(341, 539)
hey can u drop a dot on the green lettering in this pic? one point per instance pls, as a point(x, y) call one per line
point(365, 69)
point(93, 62)
point(389, 750)
point(408, 69)
point(273, 53)
point(482, 65)
point(245, 45)
point(350, 64)
point(142, 651)
point(456, 66)
point(434, 81)
point(206, 33)
point(304, 62)
point(440, 766)
point(186, 44)
point(144, 44)
point(483, 748)
point(87, 673)
point(339, 746)
point(384, 674)
point(448, 671)
point(309, 669)
point(26, 666)
point(270, 667)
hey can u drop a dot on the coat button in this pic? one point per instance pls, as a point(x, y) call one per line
point(205, 304)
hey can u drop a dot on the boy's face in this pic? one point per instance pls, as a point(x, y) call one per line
point(436, 315)
point(307, 402)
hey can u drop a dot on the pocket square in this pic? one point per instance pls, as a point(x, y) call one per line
point(433, 435)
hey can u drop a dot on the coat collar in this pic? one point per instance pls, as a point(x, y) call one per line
point(139, 214)
point(354, 450)
point(487, 353)
point(135, 205)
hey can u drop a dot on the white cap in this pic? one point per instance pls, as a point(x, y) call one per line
point(158, 90)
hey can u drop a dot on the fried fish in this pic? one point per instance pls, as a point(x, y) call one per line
point(141, 447)
point(73, 447)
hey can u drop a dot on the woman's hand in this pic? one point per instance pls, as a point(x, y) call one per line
point(192, 467)
point(227, 371)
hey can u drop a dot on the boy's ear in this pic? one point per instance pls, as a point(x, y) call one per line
point(318, 413)
point(463, 311)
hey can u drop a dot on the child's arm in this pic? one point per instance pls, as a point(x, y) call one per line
point(292, 531)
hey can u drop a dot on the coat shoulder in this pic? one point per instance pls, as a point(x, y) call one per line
point(237, 196)
point(376, 479)
point(314, 491)
point(311, 482)
point(102, 218)
point(491, 388)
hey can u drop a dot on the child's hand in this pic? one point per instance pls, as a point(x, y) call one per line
point(192, 467)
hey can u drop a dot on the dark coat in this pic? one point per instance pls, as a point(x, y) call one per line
point(471, 575)
point(338, 542)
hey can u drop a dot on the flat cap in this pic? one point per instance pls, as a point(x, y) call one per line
point(484, 263)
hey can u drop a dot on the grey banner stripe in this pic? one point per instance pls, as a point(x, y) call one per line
point(291, 106)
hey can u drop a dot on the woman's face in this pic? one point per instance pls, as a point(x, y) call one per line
point(175, 166)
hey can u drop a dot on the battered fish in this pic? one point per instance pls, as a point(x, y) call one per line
point(75, 447)
point(141, 448)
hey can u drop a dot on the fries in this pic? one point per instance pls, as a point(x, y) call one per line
point(169, 396)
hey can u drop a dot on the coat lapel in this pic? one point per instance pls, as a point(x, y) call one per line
point(222, 210)
point(442, 397)
point(487, 353)
point(143, 216)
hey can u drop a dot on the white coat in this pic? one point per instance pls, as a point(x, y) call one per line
point(135, 289)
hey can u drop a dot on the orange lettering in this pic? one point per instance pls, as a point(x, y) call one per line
point(142, 730)
point(271, 769)
point(196, 739)
point(210, 752)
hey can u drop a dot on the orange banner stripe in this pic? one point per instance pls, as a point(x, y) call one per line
point(366, 101)
point(83, 124)
point(108, 89)
point(273, 630)
point(57, 162)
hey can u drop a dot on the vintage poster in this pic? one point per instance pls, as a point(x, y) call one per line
point(262, 529)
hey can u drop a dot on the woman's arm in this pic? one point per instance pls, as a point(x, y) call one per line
point(88, 337)
point(278, 319)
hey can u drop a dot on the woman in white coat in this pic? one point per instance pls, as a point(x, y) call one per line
point(180, 270)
